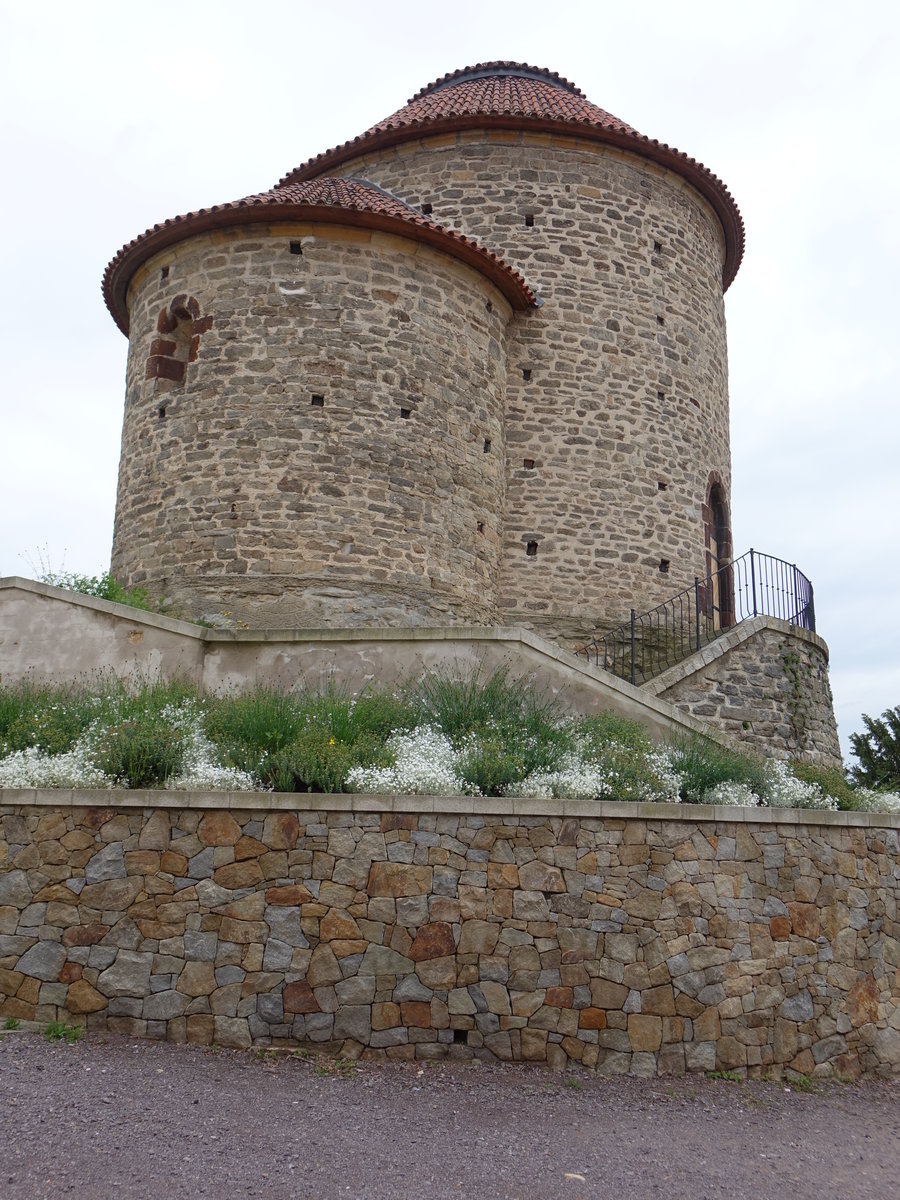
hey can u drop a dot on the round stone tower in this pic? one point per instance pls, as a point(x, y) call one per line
point(467, 368)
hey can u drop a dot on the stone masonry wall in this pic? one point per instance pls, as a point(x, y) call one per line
point(617, 392)
point(642, 939)
point(333, 451)
point(766, 684)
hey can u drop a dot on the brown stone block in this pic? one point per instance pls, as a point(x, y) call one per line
point(289, 896)
point(219, 829)
point(478, 937)
point(804, 920)
point(658, 1001)
point(280, 831)
point(248, 847)
point(77, 839)
point(761, 944)
point(399, 879)
point(95, 817)
point(437, 972)
point(432, 941)
point(592, 1018)
point(248, 908)
point(862, 1001)
point(343, 947)
point(392, 821)
point(416, 1014)
point(534, 1045)
point(387, 1016)
point(502, 903)
point(526, 1004)
point(606, 994)
point(472, 903)
point(55, 892)
point(537, 876)
point(84, 935)
point(70, 972)
point(10, 981)
point(142, 862)
point(672, 1029)
point(197, 979)
point(298, 998)
point(644, 1032)
point(502, 875)
point(440, 1014)
point(444, 909)
point(22, 1010)
point(114, 894)
point(82, 998)
point(159, 929)
point(239, 874)
point(29, 990)
point(243, 932)
point(780, 928)
point(559, 997)
point(630, 856)
point(200, 1029)
point(730, 1053)
point(173, 864)
point(338, 924)
point(707, 1026)
point(687, 1006)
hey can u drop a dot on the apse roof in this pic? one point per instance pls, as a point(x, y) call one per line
point(334, 201)
point(511, 95)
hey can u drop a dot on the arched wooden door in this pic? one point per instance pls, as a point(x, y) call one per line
point(720, 590)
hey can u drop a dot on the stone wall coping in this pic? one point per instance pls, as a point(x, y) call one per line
point(487, 806)
point(727, 642)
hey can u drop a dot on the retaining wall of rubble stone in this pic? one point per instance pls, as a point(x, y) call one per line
point(637, 939)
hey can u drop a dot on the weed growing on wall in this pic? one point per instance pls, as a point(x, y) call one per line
point(479, 735)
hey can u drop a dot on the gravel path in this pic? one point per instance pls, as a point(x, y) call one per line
point(116, 1118)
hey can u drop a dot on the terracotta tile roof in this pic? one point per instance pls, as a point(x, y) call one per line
point(517, 96)
point(335, 201)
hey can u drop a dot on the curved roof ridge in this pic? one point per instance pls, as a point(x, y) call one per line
point(506, 95)
point(500, 67)
point(337, 200)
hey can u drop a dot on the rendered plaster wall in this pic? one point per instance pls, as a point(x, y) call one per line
point(766, 684)
point(630, 939)
point(51, 635)
point(380, 501)
point(617, 396)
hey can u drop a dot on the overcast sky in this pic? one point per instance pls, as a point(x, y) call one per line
point(115, 116)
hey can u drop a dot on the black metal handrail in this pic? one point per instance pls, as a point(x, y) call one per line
point(753, 585)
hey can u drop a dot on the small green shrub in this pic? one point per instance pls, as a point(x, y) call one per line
point(140, 754)
point(313, 762)
point(104, 587)
point(703, 764)
point(11, 1023)
point(52, 718)
point(831, 780)
point(56, 1031)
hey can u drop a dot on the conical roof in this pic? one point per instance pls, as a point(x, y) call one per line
point(509, 95)
point(337, 201)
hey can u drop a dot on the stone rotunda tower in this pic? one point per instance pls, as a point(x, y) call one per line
point(468, 368)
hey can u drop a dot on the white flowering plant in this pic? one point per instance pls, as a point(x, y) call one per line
point(479, 735)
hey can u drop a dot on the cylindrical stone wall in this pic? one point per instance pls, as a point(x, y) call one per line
point(328, 449)
point(617, 398)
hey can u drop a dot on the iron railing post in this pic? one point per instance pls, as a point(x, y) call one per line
point(632, 647)
point(696, 613)
point(753, 578)
point(811, 611)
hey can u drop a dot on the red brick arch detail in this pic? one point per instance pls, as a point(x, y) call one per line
point(170, 355)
